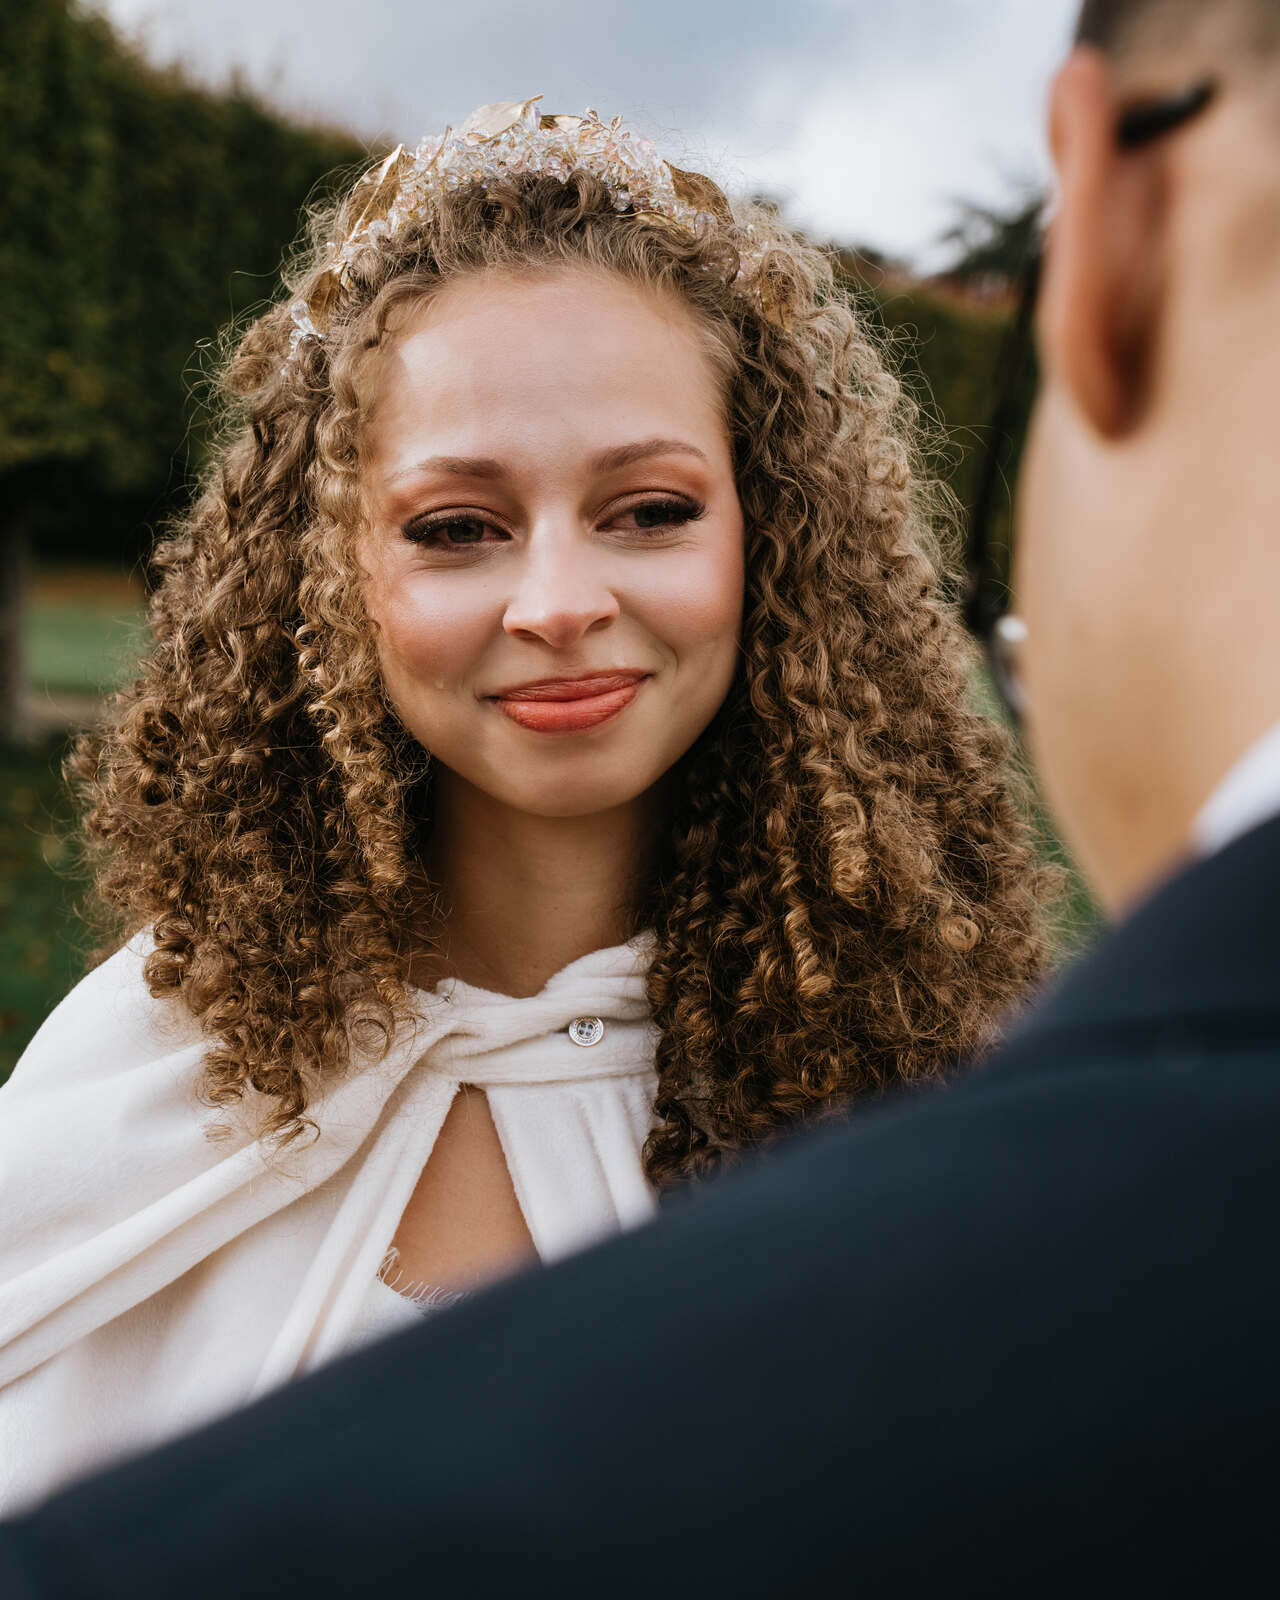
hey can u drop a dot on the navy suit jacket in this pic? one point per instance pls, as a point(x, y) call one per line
point(1016, 1336)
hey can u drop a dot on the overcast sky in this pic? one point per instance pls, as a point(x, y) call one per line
point(867, 119)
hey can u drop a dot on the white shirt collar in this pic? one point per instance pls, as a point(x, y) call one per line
point(1246, 797)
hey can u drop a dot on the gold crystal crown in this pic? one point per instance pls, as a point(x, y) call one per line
point(513, 139)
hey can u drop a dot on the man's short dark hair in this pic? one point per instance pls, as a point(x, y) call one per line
point(1109, 23)
point(1122, 27)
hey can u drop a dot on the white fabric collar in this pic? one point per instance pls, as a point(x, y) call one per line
point(151, 1277)
point(1248, 796)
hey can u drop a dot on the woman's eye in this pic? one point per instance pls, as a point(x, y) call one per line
point(455, 533)
point(657, 514)
point(447, 532)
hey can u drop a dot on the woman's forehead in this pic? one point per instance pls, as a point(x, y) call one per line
point(526, 366)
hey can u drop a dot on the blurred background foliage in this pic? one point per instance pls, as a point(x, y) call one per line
point(142, 214)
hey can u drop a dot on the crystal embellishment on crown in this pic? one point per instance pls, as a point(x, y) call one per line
point(512, 138)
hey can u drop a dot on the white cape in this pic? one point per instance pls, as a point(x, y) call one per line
point(151, 1279)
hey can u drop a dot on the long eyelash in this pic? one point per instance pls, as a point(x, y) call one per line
point(681, 511)
point(419, 530)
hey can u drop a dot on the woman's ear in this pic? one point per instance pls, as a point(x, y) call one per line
point(1100, 296)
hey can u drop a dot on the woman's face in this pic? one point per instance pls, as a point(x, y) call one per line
point(554, 558)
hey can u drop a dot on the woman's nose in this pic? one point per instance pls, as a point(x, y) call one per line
point(561, 593)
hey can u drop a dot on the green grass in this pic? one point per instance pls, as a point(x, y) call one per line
point(42, 942)
point(84, 632)
point(78, 646)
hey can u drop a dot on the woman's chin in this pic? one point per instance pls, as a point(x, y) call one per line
point(565, 800)
point(566, 788)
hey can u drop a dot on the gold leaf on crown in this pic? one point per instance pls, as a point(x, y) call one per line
point(513, 138)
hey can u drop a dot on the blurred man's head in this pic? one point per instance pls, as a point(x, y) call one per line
point(1148, 558)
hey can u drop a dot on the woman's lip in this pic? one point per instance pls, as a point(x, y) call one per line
point(573, 688)
point(560, 715)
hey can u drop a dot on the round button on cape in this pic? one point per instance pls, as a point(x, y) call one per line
point(586, 1030)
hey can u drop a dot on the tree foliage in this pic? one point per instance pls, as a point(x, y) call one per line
point(948, 351)
point(993, 243)
point(140, 214)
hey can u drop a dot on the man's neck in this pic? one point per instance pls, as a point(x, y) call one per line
point(523, 895)
point(1161, 831)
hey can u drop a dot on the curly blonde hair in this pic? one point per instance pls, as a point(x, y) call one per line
point(851, 895)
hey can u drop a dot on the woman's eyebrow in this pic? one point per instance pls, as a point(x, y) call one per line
point(456, 466)
point(622, 455)
point(625, 455)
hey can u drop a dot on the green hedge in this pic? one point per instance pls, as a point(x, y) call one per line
point(949, 352)
point(140, 214)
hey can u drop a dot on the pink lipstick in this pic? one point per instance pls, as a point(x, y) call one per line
point(570, 705)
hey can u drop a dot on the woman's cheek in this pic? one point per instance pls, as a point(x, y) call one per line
point(703, 606)
point(430, 636)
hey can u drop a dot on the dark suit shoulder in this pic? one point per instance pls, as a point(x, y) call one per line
point(1038, 1304)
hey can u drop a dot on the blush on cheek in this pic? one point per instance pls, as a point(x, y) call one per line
point(707, 605)
point(426, 635)
point(711, 614)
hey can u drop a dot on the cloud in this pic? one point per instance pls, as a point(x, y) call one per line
point(866, 117)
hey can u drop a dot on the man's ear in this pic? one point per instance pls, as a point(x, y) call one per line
point(1101, 287)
